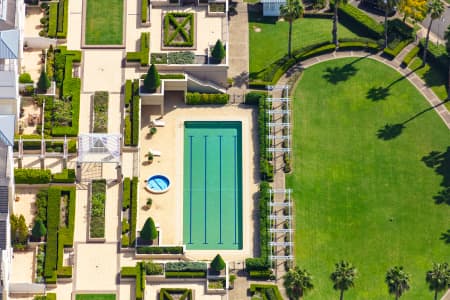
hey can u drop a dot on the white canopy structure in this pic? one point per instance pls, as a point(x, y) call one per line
point(271, 8)
point(99, 148)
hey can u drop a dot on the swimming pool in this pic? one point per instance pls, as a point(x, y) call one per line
point(212, 194)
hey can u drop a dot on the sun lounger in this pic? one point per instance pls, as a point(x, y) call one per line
point(158, 123)
point(155, 152)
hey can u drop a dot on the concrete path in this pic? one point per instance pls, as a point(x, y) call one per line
point(238, 52)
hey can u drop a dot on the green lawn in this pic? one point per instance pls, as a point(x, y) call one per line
point(271, 42)
point(359, 197)
point(433, 77)
point(96, 297)
point(104, 22)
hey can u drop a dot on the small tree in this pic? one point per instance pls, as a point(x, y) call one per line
point(218, 51)
point(152, 80)
point(343, 277)
point(38, 230)
point(19, 230)
point(217, 264)
point(438, 278)
point(148, 232)
point(397, 281)
point(297, 283)
point(43, 83)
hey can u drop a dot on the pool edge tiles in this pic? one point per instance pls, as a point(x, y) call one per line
point(212, 185)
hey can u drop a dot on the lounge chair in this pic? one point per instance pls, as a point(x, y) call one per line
point(158, 123)
point(155, 152)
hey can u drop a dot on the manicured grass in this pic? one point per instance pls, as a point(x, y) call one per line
point(433, 77)
point(96, 297)
point(358, 197)
point(104, 22)
point(271, 43)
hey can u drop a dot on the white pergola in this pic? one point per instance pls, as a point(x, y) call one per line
point(99, 148)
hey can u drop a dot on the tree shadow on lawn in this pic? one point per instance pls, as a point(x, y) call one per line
point(445, 236)
point(440, 162)
point(378, 93)
point(391, 131)
point(335, 75)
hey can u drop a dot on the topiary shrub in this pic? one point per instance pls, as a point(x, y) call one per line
point(38, 230)
point(218, 52)
point(43, 82)
point(25, 78)
point(217, 264)
point(152, 80)
point(149, 232)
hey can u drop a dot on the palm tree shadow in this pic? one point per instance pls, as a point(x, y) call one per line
point(443, 196)
point(390, 131)
point(378, 93)
point(440, 162)
point(335, 75)
point(445, 236)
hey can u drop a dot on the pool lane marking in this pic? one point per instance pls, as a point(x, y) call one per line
point(235, 188)
point(206, 165)
point(190, 190)
point(220, 189)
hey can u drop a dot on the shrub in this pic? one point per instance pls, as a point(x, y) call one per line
point(149, 232)
point(158, 58)
point(185, 266)
point(182, 58)
point(125, 241)
point(25, 78)
point(218, 52)
point(43, 82)
point(160, 250)
point(217, 263)
point(409, 57)
point(152, 80)
point(32, 176)
point(203, 98)
point(253, 98)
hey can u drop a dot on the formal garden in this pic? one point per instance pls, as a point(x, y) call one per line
point(179, 30)
point(371, 194)
point(104, 26)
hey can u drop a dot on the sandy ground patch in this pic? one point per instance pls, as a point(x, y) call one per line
point(26, 205)
point(22, 267)
point(102, 70)
point(33, 16)
point(31, 63)
point(167, 208)
point(96, 267)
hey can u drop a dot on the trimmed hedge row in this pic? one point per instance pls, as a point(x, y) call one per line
point(204, 98)
point(392, 53)
point(185, 266)
point(170, 19)
point(437, 56)
point(166, 293)
point(132, 121)
point(160, 250)
point(360, 23)
point(144, 11)
point(128, 92)
point(65, 233)
point(52, 19)
point(172, 76)
point(409, 57)
point(39, 176)
point(137, 272)
point(58, 19)
point(49, 296)
point(143, 55)
point(126, 193)
point(264, 289)
point(265, 168)
point(134, 204)
point(185, 274)
point(261, 274)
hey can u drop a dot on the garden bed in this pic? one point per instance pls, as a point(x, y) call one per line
point(100, 118)
point(129, 214)
point(97, 212)
point(179, 30)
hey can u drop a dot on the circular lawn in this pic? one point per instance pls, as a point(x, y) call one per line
point(369, 158)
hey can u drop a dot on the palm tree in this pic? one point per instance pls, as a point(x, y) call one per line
point(388, 5)
point(297, 283)
point(343, 277)
point(438, 278)
point(336, 21)
point(292, 10)
point(435, 8)
point(397, 281)
point(447, 46)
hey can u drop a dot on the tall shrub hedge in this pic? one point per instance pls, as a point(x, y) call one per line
point(204, 98)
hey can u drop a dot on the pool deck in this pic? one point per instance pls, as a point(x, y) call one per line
point(167, 208)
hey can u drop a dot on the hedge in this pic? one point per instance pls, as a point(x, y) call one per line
point(128, 272)
point(128, 92)
point(52, 19)
point(49, 296)
point(188, 37)
point(204, 98)
point(437, 56)
point(160, 250)
point(253, 98)
point(392, 53)
point(144, 11)
point(185, 266)
point(185, 274)
point(409, 57)
point(134, 204)
point(32, 176)
point(66, 176)
point(183, 294)
point(53, 220)
point(261, 274)
point(126, 193)
point(172, 76)
point(127, 139)
point(143, 55)
point(135, 122)
point(360, 23)
point(97, 209)
point(264, 288)
point(63, 19)
point(65, 233)
point(266, 169)
point(137, 272)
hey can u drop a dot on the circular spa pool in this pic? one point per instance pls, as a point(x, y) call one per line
point(158, 184)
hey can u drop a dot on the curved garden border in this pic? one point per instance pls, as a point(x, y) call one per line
point(417, 82)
